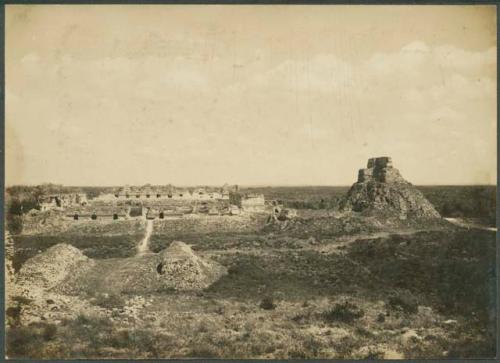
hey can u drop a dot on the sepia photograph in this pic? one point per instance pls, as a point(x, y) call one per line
point(250, 181)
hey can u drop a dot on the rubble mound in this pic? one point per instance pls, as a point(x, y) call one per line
point(175, 268)
point(381, 188)
point(64, 269)
point(180, 269)
point(53, 266)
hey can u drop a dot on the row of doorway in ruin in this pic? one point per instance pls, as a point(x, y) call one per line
point(180, 195)
point(147, 195)
point(115, 216)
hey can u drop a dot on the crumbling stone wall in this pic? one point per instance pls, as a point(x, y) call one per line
point(204, 225)
point(380, 170)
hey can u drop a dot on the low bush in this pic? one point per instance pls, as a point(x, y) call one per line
point(302, 318)
point(25, 342)
point(49, 332)
point(22, 342)
point(109, 301)
point(363, 332)
point(204, 352)
point(473, 348)
point(120, 339)
point(22, 300)
point(345, 312)
point(403, 300)
point(267, 303)
point(13, 314)
point(14, 223)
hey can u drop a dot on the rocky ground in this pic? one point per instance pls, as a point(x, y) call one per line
point(318, 286)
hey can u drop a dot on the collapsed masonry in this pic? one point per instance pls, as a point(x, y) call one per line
point(65, 269)
point(54, 266)
point(181, 269)
point(381, 188)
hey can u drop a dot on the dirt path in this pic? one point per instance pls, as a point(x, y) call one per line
point(143, 246)
point(335, 247)
point(464, 224)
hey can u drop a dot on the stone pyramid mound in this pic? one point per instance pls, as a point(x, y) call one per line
point(53, 266)
point(65, 269)
point(174, 268)
point(381, 188)
point(179, 268)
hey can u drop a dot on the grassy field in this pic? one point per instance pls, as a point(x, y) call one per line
point(96, 240)
point(92, 246)
point(427, 295)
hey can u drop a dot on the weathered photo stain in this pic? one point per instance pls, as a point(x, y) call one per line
point(250, 182)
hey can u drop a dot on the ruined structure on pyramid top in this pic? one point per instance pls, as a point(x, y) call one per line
point(380, 170)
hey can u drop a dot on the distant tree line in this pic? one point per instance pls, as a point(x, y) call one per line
point(20, 200)
point(463, 201)
point(330, 203)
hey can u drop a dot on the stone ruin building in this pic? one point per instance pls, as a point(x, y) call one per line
point(253, 202)
point(162, 202)
point(380, 170)
point(167, 192)
point(61, 201)
point(381, 188)
point(94, 213)
point(151, 202)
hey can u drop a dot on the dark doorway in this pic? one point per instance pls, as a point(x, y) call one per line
point(147, 195)
point(158, 195)
point(94, 216)
point(75, 217)
point(115, 216)
point(161, 215)
point(159, 269)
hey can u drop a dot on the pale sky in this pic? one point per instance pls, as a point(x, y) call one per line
point(254, 95)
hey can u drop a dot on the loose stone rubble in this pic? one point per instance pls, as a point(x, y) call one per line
point(181, 269)
point(58, 278)
point(50, 268)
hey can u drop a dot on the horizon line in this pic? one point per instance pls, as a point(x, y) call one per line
point(233, 184)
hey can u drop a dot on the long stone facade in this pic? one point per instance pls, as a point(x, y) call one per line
point(152, 202)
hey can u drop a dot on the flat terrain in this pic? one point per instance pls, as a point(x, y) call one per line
point(96, 240)
point(316, 286)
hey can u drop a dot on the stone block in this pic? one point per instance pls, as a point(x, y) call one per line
point(380, 162)
point(365, 175)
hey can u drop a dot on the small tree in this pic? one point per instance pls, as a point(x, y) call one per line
point(235, 199)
